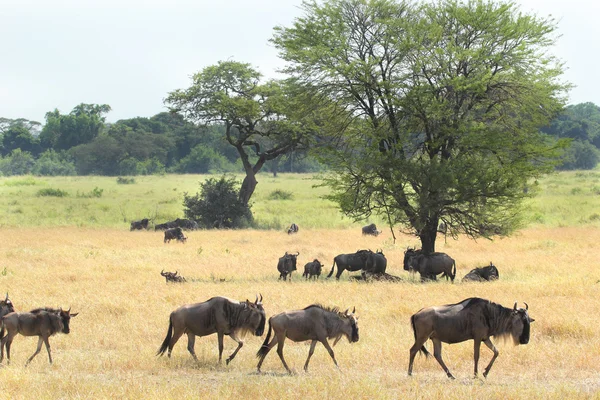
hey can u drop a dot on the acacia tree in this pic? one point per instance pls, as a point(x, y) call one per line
point(259, 118)
point(438, 108)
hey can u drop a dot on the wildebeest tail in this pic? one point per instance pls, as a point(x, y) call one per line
point(265, 346)
point(422, 349)
point(165, 344)
point(453, 270)
point(332, 267)
point(1, 329)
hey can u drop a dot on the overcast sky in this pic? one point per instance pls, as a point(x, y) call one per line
point(131, 53)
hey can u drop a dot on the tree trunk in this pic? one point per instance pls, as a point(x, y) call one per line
point(248, 187)
point(428, 235)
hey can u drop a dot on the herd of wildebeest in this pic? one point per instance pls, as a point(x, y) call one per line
point(470, 319)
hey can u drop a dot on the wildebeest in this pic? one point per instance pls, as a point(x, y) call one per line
point(292, 229)
point(313, 269)
point(408, 254)
point(370, 230)
point(174, 234)
point(172, 277)
point(177, 223)
point(6, 306)
point(482, 274)
point(430, 265)
point(218, 315)
point(139, 225)
point(375, 263)
point(41, 322)
point(315, 323)
point(286, 265)
point(350, 262)
point(472, 319)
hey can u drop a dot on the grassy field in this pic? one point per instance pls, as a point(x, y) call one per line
point(111, 277)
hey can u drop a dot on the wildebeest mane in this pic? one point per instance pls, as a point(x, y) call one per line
point(335, 310)
point(237, 319)
point(46, 309)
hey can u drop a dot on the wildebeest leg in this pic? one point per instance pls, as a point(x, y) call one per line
point(177, 332)
point(240, 344)
point(339, 273)
point(280, 340)
point(191, 344)
point(437, 353)
point(310, 353)
point(491, 346)
point(269, 347)
point(47, 342)
point(39, 347)
point(220, 336)
point(330, 350)
point(7, 342)
point(413, 352)
point(476, 348)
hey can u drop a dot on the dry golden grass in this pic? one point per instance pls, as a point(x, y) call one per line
point(111, 277)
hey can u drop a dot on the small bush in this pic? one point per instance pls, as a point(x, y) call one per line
point(281, 195)
point(125, 181)
point(50, 192)
point(96, 192)
point(576, 191)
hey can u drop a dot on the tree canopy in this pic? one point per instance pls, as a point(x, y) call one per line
point(433, 109)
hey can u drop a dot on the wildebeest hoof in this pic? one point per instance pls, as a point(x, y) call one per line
point(451, 376)
point(227, 361)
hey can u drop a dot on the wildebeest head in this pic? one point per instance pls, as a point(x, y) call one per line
point(408, 255)
point(65, 318)
point(521, 324)
point(258, 317)
point(6, 306)
point(293, 259)
point(350, 325)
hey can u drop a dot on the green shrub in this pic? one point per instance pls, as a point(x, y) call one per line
point(125, 181)
point(279, 194)
point(96, 192)
point(52, 192)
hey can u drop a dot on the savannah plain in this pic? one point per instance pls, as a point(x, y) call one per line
point(77, 251)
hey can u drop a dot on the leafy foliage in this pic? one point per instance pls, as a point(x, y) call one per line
point(51, 192)
point(217, 205)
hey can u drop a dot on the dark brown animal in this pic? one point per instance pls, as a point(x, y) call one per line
point(6, 306)
point(218, 315)
point(472, 319)
point(483, 274)
point(313, 269)
point(293, 229)
point(351, 262)
point(375, 263)
point(41, 322)
point(286, 265)
point(431, 265)
point(174, 234)
point(139, 225)
point(172, 277)
point(370, 230)
point(315, 323)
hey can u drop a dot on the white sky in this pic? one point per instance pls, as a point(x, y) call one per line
point(131, 53)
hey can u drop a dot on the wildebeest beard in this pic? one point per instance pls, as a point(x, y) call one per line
point(239, 316)
point(524, 338)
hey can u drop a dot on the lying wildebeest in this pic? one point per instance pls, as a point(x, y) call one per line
point(430, 265)
point(350, 262)
point(370, 230)
point(312, 269)
point(139, 225)
point(174, 234)
point(41, 322)
point(293, 229)
point(163, 227)
point(172, 277)
point(482, 274)
point(315, 323)
point(6, 306)
point(286, 265)
point(218, 315)
point(473, 318)
point(188, 224)
point(375, 263)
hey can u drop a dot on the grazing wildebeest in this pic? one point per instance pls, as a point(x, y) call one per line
point(350, 262)
point(6, 306)
point(174, 234)
point(41, 322)
point(370, 230)
point(218, 315)
point(162, 227)
point(139, 225)
point(430, 265)
point(286, 265)
point(375, 263)
point(172, 277)
point(315, 323)
point(482, 274)
point(473, 318)
point(312, 269)
point(293, 229)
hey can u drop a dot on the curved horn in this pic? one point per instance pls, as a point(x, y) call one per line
point(256, 301)
point(346, 312)
point(6, 296)
point(297, 253)
point(526, 306)
point(260, 301)
point(69, 310)
point(353, 310)
point(515, 307)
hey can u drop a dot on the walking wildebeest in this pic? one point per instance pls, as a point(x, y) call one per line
point(350, 262)
point(218, 315)
point(6, 306)
point(430, 265)
point(293, 229)
point(312, 269)
point(370, 230)
point(174, 234)
point(375, 263)
point(172, 277)
point(482, 274)
point(286, 265)
point(139, 225)
point(473, 318)
point(41, 322)
point(315, 323)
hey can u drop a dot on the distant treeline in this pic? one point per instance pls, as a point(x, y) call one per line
point(82, 143)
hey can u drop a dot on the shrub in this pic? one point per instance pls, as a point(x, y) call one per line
point(52, 192)
point(281, 195)
point(96, 192)
point(217, 205)
point(125, 181)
